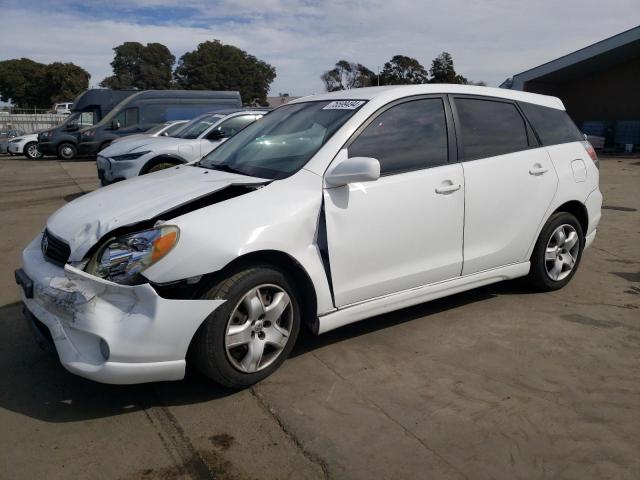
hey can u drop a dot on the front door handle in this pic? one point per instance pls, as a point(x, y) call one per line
point(448, 188)
point(538, 170)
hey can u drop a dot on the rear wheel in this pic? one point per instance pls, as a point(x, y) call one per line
point(249, 336)
point(557, 252)
point(31, 151)
point(67, 151)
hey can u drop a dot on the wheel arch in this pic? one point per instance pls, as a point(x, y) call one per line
point(299, 276)
point(161, 158)
point(578, 210)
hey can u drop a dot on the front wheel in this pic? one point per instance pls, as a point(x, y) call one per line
point(31, 151)
point(557, 252)
point(249, 336)
point(67, 151)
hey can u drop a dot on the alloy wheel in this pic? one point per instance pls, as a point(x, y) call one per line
point(562, 252)
point(259, 328)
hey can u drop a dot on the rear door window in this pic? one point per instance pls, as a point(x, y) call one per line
point(407, 136)
point(553, 126)
point(489, 128)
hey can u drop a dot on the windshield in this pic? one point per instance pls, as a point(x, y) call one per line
point(174, 129)
point(156, 129)
point(198, 125)
point(283, 141)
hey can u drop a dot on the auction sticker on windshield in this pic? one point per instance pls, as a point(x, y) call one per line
point(344, 105)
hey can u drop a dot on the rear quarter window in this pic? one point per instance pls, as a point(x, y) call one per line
point(553, 126)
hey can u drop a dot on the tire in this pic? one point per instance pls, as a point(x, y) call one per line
point(554, 262)
point(31, 151)
point(158, 164)
point(67, 151)
point(236, 366)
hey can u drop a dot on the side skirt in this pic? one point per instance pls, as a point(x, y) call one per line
point(406, 298)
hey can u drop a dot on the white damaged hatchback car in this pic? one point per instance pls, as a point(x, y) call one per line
point(329, 210)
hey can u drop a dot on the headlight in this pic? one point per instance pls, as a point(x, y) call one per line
point(89, 133)
point(130, 156)
point(121, 259)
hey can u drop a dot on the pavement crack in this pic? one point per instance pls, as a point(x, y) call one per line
point(187, 459)
point(312, 457)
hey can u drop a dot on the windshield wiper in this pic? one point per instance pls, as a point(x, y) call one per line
point(223, 168)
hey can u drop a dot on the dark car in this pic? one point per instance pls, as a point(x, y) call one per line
point(88, 109)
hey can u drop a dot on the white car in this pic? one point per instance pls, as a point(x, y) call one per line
point(166, 129)
point(139, 156)
point(26, 145)
point(331, 209)
point(63, 108)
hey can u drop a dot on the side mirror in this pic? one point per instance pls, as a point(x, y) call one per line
point(217, 135)
point(352, 170)
point(115, 124)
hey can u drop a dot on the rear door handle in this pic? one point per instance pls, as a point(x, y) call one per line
point(448, 188)
point(538, 171)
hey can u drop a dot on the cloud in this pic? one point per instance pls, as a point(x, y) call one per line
point(489, 40)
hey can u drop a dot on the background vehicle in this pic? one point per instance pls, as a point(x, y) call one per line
point(129, 158)
point(166, 129)
point(64, 108)
point(26, 145)
point(143, 110)
point(331, 209)
point(6, 135)
point(87, 109)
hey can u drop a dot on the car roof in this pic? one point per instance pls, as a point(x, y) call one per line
point(229, 111)
point(394, 92)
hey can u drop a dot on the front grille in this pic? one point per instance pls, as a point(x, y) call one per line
point(55, 250)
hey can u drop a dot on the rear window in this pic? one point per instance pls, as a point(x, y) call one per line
point(490, 128)
point(553, 126)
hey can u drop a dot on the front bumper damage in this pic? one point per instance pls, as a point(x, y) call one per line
point(108, 332)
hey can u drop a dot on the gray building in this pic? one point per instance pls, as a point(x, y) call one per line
point(599, 85)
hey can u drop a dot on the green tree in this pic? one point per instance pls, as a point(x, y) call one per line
point(346, 75)
point(216, 66)
point(21, 83)
point(442, 70)
point(64, 81)
point(141, 67)
point(402, 70)
point(31, 84)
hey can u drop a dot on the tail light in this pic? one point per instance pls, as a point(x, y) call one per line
point(592, 153)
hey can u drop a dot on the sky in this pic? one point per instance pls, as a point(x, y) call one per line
point(489, 40)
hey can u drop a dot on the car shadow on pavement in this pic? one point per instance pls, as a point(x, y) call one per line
point(308, 342)
point(34, 384)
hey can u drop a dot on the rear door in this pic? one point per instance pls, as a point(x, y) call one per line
point(510, 181)
point(403, 230)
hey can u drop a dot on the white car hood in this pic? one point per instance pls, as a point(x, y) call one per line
point(147, 143)
point(84, 221)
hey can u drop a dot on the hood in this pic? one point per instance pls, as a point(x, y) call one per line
point(84, 221)
point(128, 145)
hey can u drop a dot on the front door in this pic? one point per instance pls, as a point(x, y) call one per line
point(405, 229)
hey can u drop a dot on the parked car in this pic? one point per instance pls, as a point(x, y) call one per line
point(63, 108)
point(166, 129)
point(26, 145)
point(87, 110)
point(331, 209)
point(6, 136)
point(130, 158)
point(144, 109)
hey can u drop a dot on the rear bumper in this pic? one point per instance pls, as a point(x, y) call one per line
point(108, 332)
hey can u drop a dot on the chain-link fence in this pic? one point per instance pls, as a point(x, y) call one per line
point(29, 121)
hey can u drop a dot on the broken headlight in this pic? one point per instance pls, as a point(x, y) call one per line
point(121, 259)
